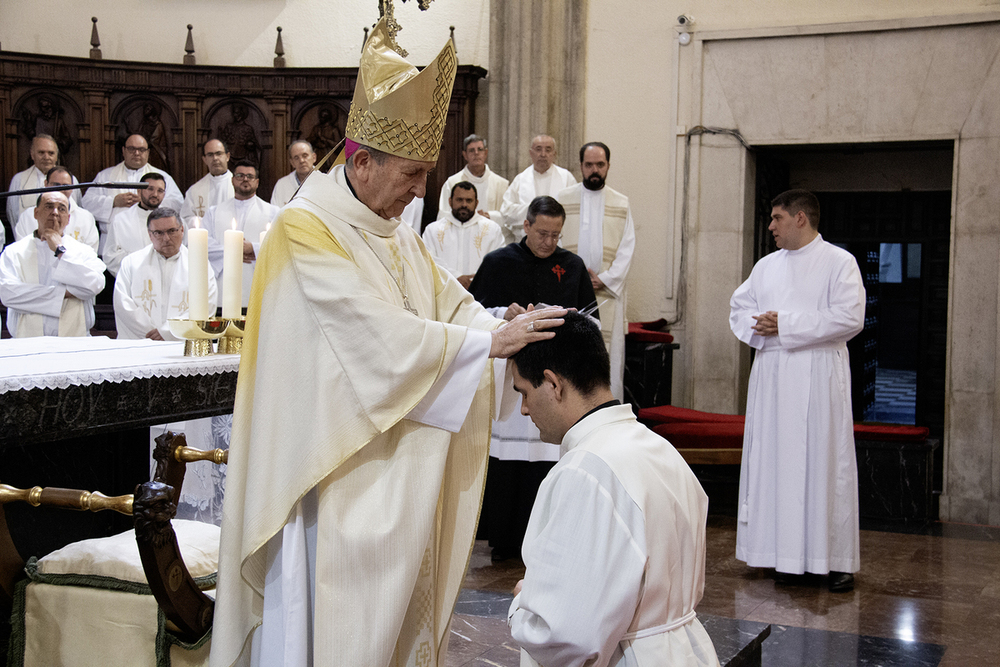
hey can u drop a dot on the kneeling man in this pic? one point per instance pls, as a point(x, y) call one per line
point(615, 547)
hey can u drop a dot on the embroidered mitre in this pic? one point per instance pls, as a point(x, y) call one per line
point(397, 109)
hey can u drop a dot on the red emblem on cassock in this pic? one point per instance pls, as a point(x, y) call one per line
point(559, 271)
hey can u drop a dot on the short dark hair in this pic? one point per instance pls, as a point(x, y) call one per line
point(576, 353)
point(465, 185)
point(794, 201)
point(472, 138)
point(153, 176)
point(246, 164)
point(160, 213)
point(225, 148)
point(56, 169)
point(595, 144)
point(545, 205)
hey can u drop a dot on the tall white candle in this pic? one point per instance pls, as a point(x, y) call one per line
point(198, 272)
point(232, 273)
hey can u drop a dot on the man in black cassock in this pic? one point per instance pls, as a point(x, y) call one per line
point(533, 271)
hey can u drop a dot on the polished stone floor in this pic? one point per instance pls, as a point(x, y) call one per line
point(928, 596)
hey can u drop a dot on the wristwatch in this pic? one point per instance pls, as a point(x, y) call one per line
point(60, 250)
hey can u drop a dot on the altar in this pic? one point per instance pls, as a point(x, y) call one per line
point(76, 412)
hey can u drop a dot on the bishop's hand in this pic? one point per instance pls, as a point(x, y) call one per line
point(526, 328)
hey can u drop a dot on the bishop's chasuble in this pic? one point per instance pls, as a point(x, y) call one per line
point(600, 230)
point(333, 365)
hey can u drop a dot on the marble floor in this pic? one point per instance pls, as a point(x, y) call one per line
point(930, 596)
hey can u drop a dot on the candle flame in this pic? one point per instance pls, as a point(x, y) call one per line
point(197, 222)
point(234, 223)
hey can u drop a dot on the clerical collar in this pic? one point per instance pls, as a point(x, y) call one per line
point(351, 187)
point(609, 404)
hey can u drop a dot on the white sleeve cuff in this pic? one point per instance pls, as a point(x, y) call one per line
point(447, 403)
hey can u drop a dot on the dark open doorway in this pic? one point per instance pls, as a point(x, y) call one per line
point(890, 206)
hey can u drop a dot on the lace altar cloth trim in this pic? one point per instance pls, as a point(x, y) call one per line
point(57, 363)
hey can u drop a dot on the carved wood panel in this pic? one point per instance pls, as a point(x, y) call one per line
point(92, 106)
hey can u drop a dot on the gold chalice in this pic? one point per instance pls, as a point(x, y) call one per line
point(198, 334)
point(231, 341)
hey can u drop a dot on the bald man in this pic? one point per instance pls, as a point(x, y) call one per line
point(105, 202)
point(301, 157)
point(48, 281)
point(543, 177)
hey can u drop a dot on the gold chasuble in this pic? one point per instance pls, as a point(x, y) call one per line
point(332, 364)
point(613, 226)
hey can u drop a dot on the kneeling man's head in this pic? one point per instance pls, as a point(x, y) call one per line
point(562, 378)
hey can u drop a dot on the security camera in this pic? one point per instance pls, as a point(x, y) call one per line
point(684, 20)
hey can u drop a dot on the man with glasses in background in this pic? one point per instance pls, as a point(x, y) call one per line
point(106, 202)
point(246, 212)
point(152, 283)
point(533, 271)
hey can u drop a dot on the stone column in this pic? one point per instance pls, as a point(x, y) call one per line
point(536, 78)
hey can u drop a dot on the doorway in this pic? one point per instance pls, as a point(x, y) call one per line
point(890, 206)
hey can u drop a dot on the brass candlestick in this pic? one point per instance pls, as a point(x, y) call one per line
point(231, 341)
point(198, 334)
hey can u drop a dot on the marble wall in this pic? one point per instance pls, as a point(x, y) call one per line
point(846, 84)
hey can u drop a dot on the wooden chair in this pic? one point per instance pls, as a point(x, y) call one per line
point(186, 609)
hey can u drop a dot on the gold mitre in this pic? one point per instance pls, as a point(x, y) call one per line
point(397, 109)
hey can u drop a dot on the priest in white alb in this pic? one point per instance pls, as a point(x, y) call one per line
point(461, 237)
point(490, 186)
point(600, 230)
point(542, 177)
point(103, 202)
point(798, 496)
point(152, 285)
point(614, 553)
point(301, 157)
point(48, 281)
point(363, 410)
point(127, 231)
point(81, 226)
point(211, 189)
point(246, 212)
point(44, 155)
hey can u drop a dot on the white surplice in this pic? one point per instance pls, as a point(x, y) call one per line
point(127, 233)
point(81, 226)
point(252, 217)
point(798, 499)
point(208, 191)
point(30, 178)
point(100, 201)
point(614, 553)
point(33, 286)
point(459, 247)
point(490, 188)
point(284, 188)
point(150, 289)
point(526, 186)
point(609, 260)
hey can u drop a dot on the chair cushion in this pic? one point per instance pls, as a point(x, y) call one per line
point(668, 414)
point(649, 332)
point(117, 557)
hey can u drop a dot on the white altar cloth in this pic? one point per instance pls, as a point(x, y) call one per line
point(50, 362)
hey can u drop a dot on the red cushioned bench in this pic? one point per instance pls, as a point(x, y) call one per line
point(714, 438)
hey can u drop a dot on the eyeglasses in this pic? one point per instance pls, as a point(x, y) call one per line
point(549, 236)
point(163, 233)
point(215, 154)
point(244, 177)
point(134, 149)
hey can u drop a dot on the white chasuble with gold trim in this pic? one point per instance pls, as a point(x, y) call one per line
point(332, 366)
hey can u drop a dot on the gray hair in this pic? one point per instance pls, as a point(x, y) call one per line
point(472, 138)
point(160, 213)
